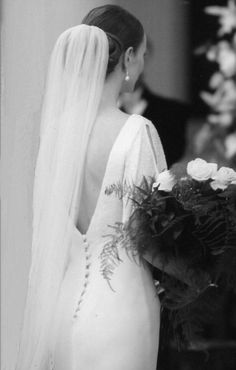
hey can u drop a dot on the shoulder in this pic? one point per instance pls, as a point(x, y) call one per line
point(142, 122)
point(140, 131)
point(147, 140)
point(146, 127)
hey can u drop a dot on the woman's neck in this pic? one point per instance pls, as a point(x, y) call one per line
point(111, 92)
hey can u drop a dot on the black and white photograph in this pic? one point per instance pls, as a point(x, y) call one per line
point(118, 202)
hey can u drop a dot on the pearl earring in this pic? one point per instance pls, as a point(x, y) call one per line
point(127, 77)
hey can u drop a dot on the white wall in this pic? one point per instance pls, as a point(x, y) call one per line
point(167, 23)
point(30, 28)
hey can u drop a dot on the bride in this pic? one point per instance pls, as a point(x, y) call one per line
point(76, 317)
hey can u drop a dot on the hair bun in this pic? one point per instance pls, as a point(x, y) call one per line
point(115, 51)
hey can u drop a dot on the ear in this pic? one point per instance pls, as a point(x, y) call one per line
point(128, 57)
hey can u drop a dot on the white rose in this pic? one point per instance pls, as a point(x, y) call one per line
point(224, 177)
point(165, 181)
point(201, 170)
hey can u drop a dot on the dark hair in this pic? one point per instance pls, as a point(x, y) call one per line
point(122, 28)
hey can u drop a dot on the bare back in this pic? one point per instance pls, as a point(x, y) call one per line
point(106, 129)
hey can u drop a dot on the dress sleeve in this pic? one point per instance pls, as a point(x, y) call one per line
point(145, 157)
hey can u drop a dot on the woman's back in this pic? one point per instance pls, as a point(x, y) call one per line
point(105, 132)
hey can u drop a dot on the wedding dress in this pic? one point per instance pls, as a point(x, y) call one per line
point(100, 326)
point(79, 316)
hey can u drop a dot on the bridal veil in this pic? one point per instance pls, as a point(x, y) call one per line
point(75, 81)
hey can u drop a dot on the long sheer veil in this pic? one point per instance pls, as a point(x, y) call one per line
point(74, 87)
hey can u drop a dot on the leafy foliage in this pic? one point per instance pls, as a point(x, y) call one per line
point(193, 228)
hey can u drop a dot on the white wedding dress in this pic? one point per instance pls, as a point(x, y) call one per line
point(116, 327)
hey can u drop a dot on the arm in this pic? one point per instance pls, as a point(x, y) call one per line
point(146, 158)
point(196, 280)
point(176, 269)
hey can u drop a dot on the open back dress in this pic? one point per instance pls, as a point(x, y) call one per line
point(110, 326)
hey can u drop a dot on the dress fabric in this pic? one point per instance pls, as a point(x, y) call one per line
point(97, 326)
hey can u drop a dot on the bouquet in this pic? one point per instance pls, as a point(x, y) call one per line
point(188, 225)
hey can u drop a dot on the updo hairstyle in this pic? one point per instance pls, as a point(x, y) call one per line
point(122, 28)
